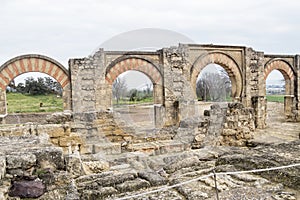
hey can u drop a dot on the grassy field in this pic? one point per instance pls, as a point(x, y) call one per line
point(127, 102)
point(22, 103)
point(275, 98)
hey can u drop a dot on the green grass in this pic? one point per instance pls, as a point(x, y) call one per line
point(127, 102)
point(23, 103)
point(275, 98)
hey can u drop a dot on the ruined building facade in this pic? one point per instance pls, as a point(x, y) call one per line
point(87, 83)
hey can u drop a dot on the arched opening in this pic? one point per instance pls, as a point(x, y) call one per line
point(133, 102)
point(227, 63)
point(279, 77)
point(31, 96)
point(275, 93)
point(33, 63)
point(127, 63)
point(213, 84)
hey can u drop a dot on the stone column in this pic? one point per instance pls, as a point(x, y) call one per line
point(158, 94)
point(159, 113)
point(256, 86)
point(67, 102)
point(288, 106)
point(3, 107)
point(259, 104)
point(297, 87)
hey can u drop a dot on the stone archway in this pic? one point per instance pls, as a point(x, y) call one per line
point(124, 64)
point(138, 64)
point(227, 62)
point(34, 63)
point(286, 71)
point(289, 77)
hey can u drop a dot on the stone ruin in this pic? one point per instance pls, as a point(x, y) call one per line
point(86, 152)
point(55, 160)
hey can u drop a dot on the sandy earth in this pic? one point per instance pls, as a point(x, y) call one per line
point(141, 118)
point(277, 131)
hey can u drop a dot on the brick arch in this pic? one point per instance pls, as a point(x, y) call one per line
point(285, 69)
point(224, 60)
point(133, 63)
point(124, 64)
point(33, 63)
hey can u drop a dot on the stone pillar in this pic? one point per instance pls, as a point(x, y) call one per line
point(259, 104)
point(159, 115)
point(83, 85)
point(290, 108)
point(67, 102)
point(158, 94)
point(255, 86)
point(297, 87)
point(254, 81)
point(3, 107)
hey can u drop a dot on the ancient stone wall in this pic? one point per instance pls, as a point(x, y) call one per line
point(225, 124)
point(173, 72)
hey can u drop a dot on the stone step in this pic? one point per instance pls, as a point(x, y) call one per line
point(108, 148)
point(159, 147)
point(146, 137)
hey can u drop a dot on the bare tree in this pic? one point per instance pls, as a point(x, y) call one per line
point(214, 86)
point(119, 88)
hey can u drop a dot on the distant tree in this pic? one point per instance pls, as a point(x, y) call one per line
point(202, 90)
point(213, 86)
point(12, 84)
point(133, 95)
point(40, 86)
point(119, 88)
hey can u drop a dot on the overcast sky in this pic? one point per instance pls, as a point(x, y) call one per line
point(63, 29)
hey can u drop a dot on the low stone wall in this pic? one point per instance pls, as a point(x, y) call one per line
point(225, 124)
point(59, 134)
point(102, 132)
point(238, 126)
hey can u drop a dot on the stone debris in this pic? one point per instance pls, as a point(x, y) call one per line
point(27, 189)
point(225, 124)
point(76, 160)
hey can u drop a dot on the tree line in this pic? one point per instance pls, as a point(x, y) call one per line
point(121, 92)
point(211, 86)
point(39, 86)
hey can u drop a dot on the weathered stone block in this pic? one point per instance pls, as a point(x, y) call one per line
point(74, 165)
point(27, 189)
point(94, 167)
point(20, 160)
point(73, 139)
point(153, 177)
point(109, 148)
point(99, 193)
point(132, 185)
point(229, 132)
point(49, 157)
point(2, 167)
point(188, 162)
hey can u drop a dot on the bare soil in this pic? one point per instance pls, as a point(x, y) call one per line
point(278, 130)
point(141, 118)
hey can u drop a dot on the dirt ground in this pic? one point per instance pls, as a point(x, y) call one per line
point(141, 118)
point(277, 131)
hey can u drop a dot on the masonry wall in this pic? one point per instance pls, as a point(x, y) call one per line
point(2, 103)
point(176, 96)
point(254, 86)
